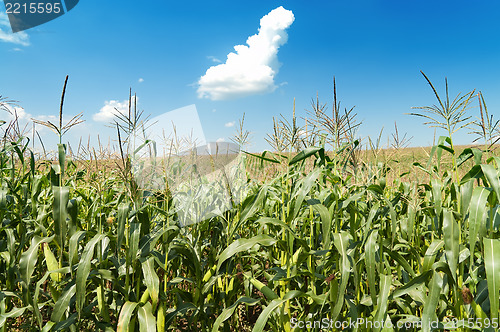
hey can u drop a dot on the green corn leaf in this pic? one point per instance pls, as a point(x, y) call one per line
point(326, 224)
point(73, 246)
point(451, 241)
point(474, 173)
point(412, 284)
point(125, 316)
point(35, 192)
point(83, 271)
point(465, 196)
point(304, 154)
point(464, 156)
point(11, 242)
point(62, 304)
point(260, 324)
point(51, 262)
point(48, 326)
point(268, 292)
point(262, 157)
point(393, 217)
point(492, 266)
point(250, 207)
point(135, 235)
point(383, 296)
point(62, 157)
point(401, 260)
point(38, 288)
point(151, 279)
point(299, 195)
point(228, 312)
point(446, 148)
point(371, 216)
point(431, 301)
point(431, 253)
point(14, 313)
point(341, 241)
point(477, 210)
point(73, 224)
point(370, 263)
point(179, 311)
point(60, 213)
point(123, 210)
point(277, 222)
point(28, 259)
point(436, 195)
point(244, 245)
point(65, 324)
point(491, 175)
point(185, 249)
point(147, 322)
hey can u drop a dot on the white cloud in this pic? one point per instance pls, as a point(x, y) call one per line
point(111, 108)
point(21, 113)
point(252, 68)
point(141, 80)
point(214, 59)
point(52, 118)
point(6, 35)
point(220, 140)
point(229, 124)
point(14, 111)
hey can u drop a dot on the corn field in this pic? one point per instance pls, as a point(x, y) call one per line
point(324, 243)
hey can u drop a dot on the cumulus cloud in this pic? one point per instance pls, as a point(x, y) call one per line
point(141, 80)
point(111, 108)
point(52, 118)
point(220, 140)
point(6, 35)
point(14, 111)
point(229, 124)
point(252, 68)
point(21, 114)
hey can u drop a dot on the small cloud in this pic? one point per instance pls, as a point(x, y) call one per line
point(252, 68)
point(42, 129)
point(220, 140)
point(15, 111)
point(214, 110)
point(6, 35)
point(111, 108)
point(22, 114)
point(229, 124)
point(214, 59)
point(141, 80)
point(51, 118)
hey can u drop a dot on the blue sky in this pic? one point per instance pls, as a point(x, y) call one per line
point(161, 50)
